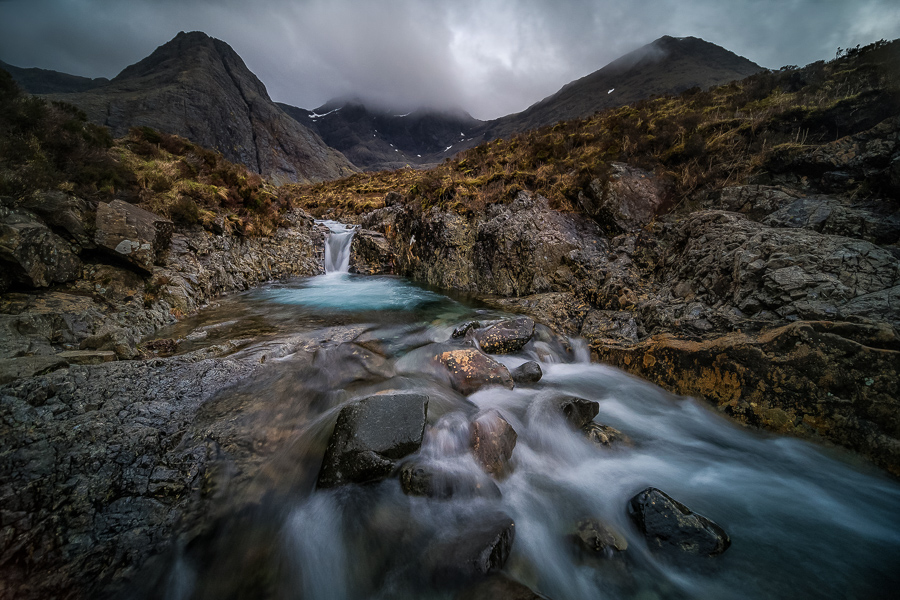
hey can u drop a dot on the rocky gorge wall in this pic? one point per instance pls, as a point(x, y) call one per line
point(776, 303)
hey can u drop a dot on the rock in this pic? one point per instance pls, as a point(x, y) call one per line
point(112, 338)
point(604, 435)
point(33, 255)
point(671, 527)
point(370, 253)
point(463, 329)
point(28, 366)
point(87, 357)
point(577, 411)
point(61, 211)
point(370, 435)
point(481, 546)
point(628, 200)
point(470, 370)
point(499, 586)
point(505, 337)
point(610, 325)
point(432, 480)
point(132, 233)
point(529, 372)
point(162, 347)
point(596, 538)
point(493, 441)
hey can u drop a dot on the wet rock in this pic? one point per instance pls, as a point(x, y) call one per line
point(132, 233)
point(499, 586)
point(596, 538)
point(463, 329)
point(116, 339)
point(671, 527)
point(577, 411)
point(470, 370)
point(481, 546)
point(608, 324)
point(529, 372)
point(505, 337)
point(604, 435)
point(31, 254)
point(493, 441)
point(434, 480)
point(370, 435)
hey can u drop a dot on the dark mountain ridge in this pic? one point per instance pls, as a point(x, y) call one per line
point(45, 81)
point(198, 87)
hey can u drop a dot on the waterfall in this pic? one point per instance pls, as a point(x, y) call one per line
point(337, 246)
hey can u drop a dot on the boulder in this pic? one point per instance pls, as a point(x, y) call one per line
point(63, 212)
point(463, 329)
point(433, 480)
point(577, 411)
point(493, 441)
point(506, 336)
point(370, 253)
point(370, 435)
point(529, 372)
point(671, 527)
point(470, 370)
point(481, 546)
point(31, 254)
point(132, 233)
point(598, 539)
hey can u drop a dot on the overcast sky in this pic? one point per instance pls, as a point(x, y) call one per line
point(489, 57)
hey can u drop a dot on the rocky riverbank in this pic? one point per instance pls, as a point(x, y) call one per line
point(777, 303)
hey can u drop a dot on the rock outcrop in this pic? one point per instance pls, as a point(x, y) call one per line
point(197, 87)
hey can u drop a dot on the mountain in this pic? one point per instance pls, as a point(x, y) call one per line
point(198, 87)
point(378, 139)
point(668, 65)
point(44, 81)
point(381, 139)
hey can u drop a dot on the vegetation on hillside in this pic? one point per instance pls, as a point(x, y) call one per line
point(696, 141)
point(51, 145)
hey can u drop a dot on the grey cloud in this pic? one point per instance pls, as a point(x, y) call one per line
point(490, 57)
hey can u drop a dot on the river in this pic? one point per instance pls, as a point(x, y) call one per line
point(805, 521)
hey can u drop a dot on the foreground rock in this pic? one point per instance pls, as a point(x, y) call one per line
point(477, 548)
point(493, 441)
point(499, 586)
point(470, 370)
point(31, 254)
point(671, 527)
point(434, 480)
point(598, 539)
point(370, 435)
point(577, 411)
point(529, 372)
point(505, 337)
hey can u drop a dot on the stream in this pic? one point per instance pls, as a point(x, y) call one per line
point(805, 521)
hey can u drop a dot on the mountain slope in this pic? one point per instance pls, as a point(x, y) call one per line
point(666, 66)
point(198, 87)
point(379, 139)
point(45, 81)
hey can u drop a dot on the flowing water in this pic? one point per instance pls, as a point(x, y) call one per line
point(805, 521)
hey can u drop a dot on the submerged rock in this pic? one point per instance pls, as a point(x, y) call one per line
point(493, 441)
point(506, 336)
point(470, 370)
point(463, 329)
point(604, 435)
point(434, 480)
point(481, 546)
point(499, 586)
point(598, 539)
point(671, 527)
point(529, 372)
point(370, 434)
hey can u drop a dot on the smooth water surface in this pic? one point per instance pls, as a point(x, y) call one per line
point(805, 522)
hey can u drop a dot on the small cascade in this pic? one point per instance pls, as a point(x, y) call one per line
point(337, 246)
